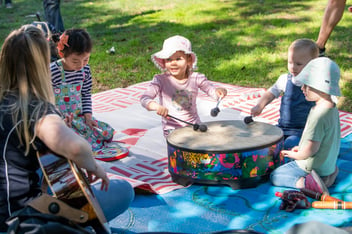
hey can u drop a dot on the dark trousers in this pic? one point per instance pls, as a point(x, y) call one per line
point(53, 14)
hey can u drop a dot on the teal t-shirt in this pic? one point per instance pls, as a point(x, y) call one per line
point(323, 125)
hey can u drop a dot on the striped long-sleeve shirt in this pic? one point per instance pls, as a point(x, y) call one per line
point(75, 77)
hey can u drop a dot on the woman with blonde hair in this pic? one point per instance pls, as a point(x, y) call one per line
point(30, 123)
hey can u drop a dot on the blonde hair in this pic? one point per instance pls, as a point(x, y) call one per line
point(307, 44)
point(25, 74)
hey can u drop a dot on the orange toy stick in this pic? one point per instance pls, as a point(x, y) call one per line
point(338, 205)
point(318, 196)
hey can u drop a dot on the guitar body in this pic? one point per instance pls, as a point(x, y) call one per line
point(69, 184)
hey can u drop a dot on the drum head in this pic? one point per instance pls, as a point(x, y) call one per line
point(226, 136)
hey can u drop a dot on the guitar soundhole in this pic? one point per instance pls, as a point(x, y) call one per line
point(70, 184)
point(63, 181)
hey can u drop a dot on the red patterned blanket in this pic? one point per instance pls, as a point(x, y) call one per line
point(140, 130)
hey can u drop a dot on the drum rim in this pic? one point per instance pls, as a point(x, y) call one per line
point(226, 151)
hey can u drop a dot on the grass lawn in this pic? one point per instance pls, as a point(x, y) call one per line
point(240, 42)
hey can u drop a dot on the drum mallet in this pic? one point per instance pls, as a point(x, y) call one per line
point(215, 111)
point(248, 119)
point(201, 127)
point(337, 205)
point(318, 196)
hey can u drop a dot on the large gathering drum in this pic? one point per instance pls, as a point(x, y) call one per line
point(229, 152)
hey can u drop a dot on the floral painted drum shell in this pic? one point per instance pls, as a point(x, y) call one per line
point(230, 152)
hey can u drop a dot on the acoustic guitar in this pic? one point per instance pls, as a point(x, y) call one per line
point(69, 184)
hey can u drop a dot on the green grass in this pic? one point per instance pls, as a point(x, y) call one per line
point(239, 42)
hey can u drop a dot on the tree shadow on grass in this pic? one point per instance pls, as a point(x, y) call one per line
point(236, 42)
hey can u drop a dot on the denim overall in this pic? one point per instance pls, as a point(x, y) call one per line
point(294, 110)
point(68, 100)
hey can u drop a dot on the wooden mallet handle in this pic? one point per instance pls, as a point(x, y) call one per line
point(337, 205)
point(318, 196)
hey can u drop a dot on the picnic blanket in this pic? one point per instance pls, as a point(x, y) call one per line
point(164, 206)
point(208, 209)
point(141, 132)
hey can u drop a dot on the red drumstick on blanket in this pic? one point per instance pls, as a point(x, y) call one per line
point(337, 205)
point(201, 127)
point(318, 196)
point(279, 194)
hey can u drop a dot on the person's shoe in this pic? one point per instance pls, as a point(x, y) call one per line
point(314, 182)
point(8, 5)
point(322, 52)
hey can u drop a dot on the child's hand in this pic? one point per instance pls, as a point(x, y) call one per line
point(221, 92)
point(99, 173)
point(256, 110)
point(290, 153)
point(295, 149)
point(89, 121)
point(286, 153)
point(160, 110)
point(163, 111)
point(68, 119)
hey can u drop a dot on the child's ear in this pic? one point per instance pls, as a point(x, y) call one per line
point(189, 60)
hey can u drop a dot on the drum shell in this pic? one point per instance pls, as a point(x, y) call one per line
point(237, 168)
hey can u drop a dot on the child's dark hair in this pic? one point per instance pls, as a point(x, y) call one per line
point(74, 41)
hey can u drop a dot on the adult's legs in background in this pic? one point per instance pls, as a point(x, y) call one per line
point(53, 14)
point(8, 3)
point(332, 15)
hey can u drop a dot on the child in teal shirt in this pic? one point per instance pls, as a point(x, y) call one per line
point(314, 166)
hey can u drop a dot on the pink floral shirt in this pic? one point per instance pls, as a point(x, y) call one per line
point(179, 98)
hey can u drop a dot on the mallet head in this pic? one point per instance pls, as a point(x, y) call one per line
point(203, 128)
point(215, 111)
point(248, 119)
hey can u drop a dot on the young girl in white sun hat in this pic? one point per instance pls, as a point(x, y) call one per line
point(177, 87)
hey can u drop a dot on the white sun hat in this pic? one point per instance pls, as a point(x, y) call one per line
point(322, 74)
point(170, 46)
